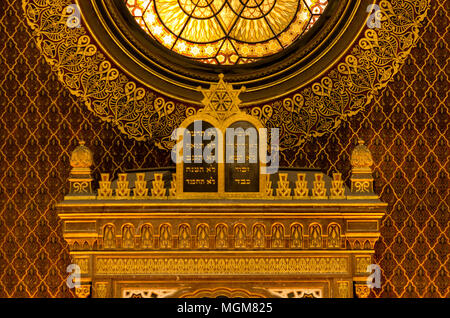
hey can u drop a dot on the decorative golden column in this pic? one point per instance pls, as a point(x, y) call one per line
point(362, 188)
point(80, 177)
point(361, 178)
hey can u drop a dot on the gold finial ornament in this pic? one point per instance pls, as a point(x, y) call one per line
point(80, 178)
point(361, 178)
point(361, 157)
point(81, 157)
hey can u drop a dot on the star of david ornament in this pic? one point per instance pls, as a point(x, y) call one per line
point(221, 100)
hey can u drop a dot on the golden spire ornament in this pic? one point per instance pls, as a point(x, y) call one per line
point(361, 178)
point(80, 178)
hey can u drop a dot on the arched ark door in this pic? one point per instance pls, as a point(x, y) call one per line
point(241, 158)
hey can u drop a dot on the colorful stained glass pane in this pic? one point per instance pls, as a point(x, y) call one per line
point(226, 32)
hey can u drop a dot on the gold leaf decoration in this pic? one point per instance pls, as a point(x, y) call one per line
point(313, 111)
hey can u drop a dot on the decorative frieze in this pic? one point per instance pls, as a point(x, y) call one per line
point(281, 237)
point(80, 179)
point(220, 265)
point(147, 292)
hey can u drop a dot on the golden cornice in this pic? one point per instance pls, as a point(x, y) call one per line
point(215, 253)
point(140, 215)
point(229, 203)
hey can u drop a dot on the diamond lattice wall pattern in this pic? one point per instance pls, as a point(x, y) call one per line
point(405, 127)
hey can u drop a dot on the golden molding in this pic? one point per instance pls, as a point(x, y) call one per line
point(312, 111)
point(221, 265)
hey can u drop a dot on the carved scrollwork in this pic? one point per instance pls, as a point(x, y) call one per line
point(80, 187)
point(362, 186)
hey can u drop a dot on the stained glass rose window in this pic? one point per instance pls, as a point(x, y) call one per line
point(226, 32)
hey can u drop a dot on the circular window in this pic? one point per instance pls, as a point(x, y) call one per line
point(226, 32)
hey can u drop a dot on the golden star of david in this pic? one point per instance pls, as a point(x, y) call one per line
point(221, 100)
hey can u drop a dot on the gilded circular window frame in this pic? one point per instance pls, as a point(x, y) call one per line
point(313, 110)
point(148, 63)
